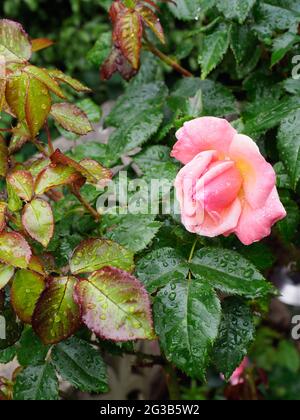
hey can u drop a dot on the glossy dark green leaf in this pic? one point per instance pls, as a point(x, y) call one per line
point(30, 350)
point(288, 227)
point(190, 9)
point(214, 48)
point(235, 9)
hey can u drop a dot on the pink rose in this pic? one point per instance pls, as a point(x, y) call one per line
point(226, 185)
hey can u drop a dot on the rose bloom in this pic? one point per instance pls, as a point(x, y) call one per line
point(226, 185)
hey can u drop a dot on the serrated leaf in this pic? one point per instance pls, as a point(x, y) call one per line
point(21, 135)
point(230, 273)
point(31, 351)
point(282, 45)
point(43, 76)
point(14, 250)
point(94, 254)
point(115, 305)
point(65, 78)
point(38, 44)
point(289, 146)
point(235, 335)
point(22, 183)
point(36, 383)
point(80, 364)
point(235, 9)
point(54, 176)
point(3, 157)
point(134, 231)
point(128, 33)
point(100, 51)
point(26, 289)
point(187, 315)
point(71, 118)
point(214, 48)
point(38, 221)
point(56, 316)
point(190, 9)
point(151, 20)
point(158, 267)
point(14, 202)
point(6, 274)
point(3, 208)
point(14, 42)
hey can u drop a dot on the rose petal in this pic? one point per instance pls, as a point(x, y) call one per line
point(206, 133)
point(259, 176)
point(255, 224)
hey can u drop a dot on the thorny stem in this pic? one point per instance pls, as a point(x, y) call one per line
point(50, 144)
point(85, 203)
point(166, 59)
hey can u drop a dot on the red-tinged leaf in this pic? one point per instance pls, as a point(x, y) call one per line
point(94, 254)
point(40, 44)
point(6, 274)
point(14, 43)
point(3, 157)
point(115, 306)
point(116, 8)
point(57, 315)
point(152, 21)
point(38, 166)
point(26, 289)
point(16, 91)
point(43, 76)
point(14, 250)
point(54, 176)
point(21, 135)
point(71, 118)
point(14, 202)
point(36, 265)
point(128, 33)
point(38, 221)
point(22, 183)
point(3, 207)
point(117, 62)
point(2, 81)
point(64, 78)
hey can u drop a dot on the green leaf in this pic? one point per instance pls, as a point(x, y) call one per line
point(235, 9)
point(190, 9)
point(43, 76)
point(289, 146)
point(134, 231)
point(57, 316)
point(14, 250)
point(71, 118)
point(288, 227)
point(14, 202)
point(30, 350)
point(282, 45)
point(282, 177)
point(259, 254)
point(3, 157)
point(64, 78)
point(26, 289)
point(22, 183)
point(187, 315)
point(36, 383)
point(11, 325)
point(93, 254)
point(288, 356)
point(54, 176)
point(115, 306)
point(6, 273)
point(142, 109)
point(158, 267)
point(80, 364)
point(230, 273)
point(8, 354)
point(38, 221)
point(14, 42)
point(214, 48)
point(100, 51)
point(235, 336)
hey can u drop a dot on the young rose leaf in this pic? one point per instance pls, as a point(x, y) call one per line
point(54, 176)
point(235, 335)
point(187, 315)
point(57, 315)
point(117, 62)
point(38, 166)
point(43, 76)
point(3, 207)
point(21, 135)
point(2, 81)
point(40, 44)
point(14, 249)
point(152, 21)
point(36, 265)
point(79, 363)
point(14, 42)
point(38, 221)
point(3, 157)
point(36, 383)
point(115, 305)
point(71, 118)
point(128, 33)
point(14, 202)
point(65, 78)
point(6, 273)
point(22, 183)
point(94, 254)
point(26, 289)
